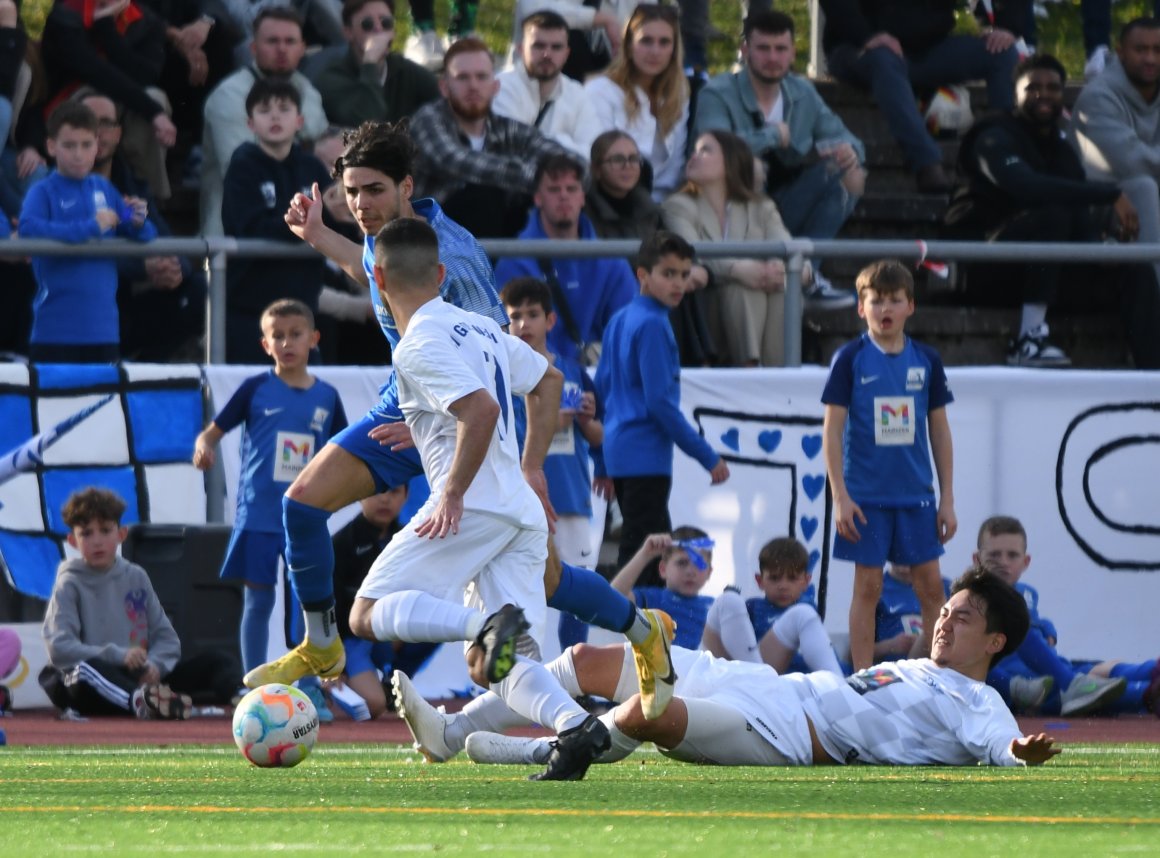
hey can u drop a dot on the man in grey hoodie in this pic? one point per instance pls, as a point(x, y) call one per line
point(111, 648)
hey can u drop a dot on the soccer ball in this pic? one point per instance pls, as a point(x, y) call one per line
point(949, 113)
point(275, 726)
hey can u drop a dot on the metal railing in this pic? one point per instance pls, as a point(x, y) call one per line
point(216, 251)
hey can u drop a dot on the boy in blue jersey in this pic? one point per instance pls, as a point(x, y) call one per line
point(885, 416)
point(288, 415)
point(75, 310)
point(261, 179)
point(1080, 687)
point(781, 627)
point(376, 452)
point(898, 617)
point(639, 381)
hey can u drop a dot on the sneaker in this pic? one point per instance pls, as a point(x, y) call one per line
point(498, 639)
point(497, 749)
point(1028, 693)
point(426, 723)
point(1087, 693)
point(1033, 349)
point(654, 664)
point(821, 294)
point(5, 700)
point(573, 751)
point(318, 698)
point(1095, 63)
point(163, 703)
point(306, 659)
point(136, 703)
point(427, 49)
point(1152, 695)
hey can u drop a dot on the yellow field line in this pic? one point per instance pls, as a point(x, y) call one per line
point(590, 812)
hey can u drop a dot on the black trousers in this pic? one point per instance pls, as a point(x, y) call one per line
point(644, 503)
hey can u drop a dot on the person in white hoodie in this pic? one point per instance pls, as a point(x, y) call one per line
point(536, 92)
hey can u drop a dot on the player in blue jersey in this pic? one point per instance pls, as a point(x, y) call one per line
point(898, 617)
point(781, 627)
point(288, 416)
point(885, 416)
point(375, 453)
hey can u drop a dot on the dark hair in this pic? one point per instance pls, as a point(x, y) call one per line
point(408, 248)
point(681, 534)
point(1036, 62)
point(350, 8)
point(285, 307)
point(378, 145)
point(75, 114)
point(527, 290)
point(769, 21)
point(662, 243)
point(270, 89)
point(466, 45)
point(556, 165)
point(1143, 23)
point(885, 277)
point(1001, 525)
point(604, 141)
point(92, 504)
point(545, 19)
point(277, 13)
point(738, 161)
point(1004, 609)
point(783, 554)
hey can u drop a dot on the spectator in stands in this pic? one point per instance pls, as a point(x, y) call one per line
point(425, 46)
point(813, 164)
point(585, 292)
point(1025, 183)
point(719, 201)
point(111, 648)
point(893, 48)
point(480, 167)
point(161, 299)
point(644, 92)
point(320, 19)
point(118, 48)
point(75, 316)
point(535, 92)
point(1115, 126)
point(617, 204)
point(21, 120)
point(370, 81)
point(277, 49)
point(261, 180)
point(594, 30)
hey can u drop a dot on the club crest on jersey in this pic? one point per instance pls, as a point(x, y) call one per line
point(915, 378)
point(269, 195)
point(318, 422)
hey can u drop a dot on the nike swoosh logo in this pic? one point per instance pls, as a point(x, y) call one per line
point(866, 379)
point(67, 204)
point(585, 553)
point(363, 549)
point(270, 411)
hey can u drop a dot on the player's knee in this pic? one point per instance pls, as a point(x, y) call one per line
point(630, 720)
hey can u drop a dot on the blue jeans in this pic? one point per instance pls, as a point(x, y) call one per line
point(12, 187)
point(815, 204)
point(892, 80)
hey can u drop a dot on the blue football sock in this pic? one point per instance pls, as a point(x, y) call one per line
point(1140, 672)
point(257, 606)
point(309, 554)
point(591, 598)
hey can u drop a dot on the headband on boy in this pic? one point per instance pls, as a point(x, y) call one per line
point(694, 547)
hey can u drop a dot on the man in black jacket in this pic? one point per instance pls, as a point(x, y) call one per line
point(1025, 183)
point(893, 47)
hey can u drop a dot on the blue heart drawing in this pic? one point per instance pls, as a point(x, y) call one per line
point(811, 445)
point(813, 485)
point(769, 439)
point(809, 526)
point(732, 440)
point(815, 556)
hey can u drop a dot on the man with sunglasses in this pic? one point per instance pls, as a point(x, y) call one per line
point(370, 81)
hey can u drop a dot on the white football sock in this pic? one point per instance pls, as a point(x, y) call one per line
point(563, 668)
point(621, 746)
point(532, 691)
point(1034, 315)
point(321, 626)
point(729, 618)
point(800, 628)
point(418, 617)
point(640, 628)
point(486, 713)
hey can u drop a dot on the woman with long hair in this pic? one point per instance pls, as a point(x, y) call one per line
point(644, 92)
point(719, 202)
point(618, 203)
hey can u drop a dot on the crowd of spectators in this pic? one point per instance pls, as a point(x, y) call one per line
point(618, 88)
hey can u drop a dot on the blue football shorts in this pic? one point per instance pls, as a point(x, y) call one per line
point(254, 557)
point(908, 536)
point(389, 468)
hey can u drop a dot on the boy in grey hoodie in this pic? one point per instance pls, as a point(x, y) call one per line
point(110, 644)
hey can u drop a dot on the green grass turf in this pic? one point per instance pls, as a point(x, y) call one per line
point(346, 800)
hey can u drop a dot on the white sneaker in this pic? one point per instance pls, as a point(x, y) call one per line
point(426, 723)
point(1033, 349)
point(1096, 62)
point(498, 749)
point(427, 49)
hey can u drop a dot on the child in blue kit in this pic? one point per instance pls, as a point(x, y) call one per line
point(781, 627)
point(288, 415)
point(885, 417)
point(898, 617)
point(75, 311)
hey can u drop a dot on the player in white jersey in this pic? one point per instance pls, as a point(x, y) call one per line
point(481, 538)
point(915, 712)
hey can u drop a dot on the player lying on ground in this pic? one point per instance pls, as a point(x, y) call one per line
point(914, 712)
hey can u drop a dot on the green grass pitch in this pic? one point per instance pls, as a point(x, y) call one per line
point(381, 800)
